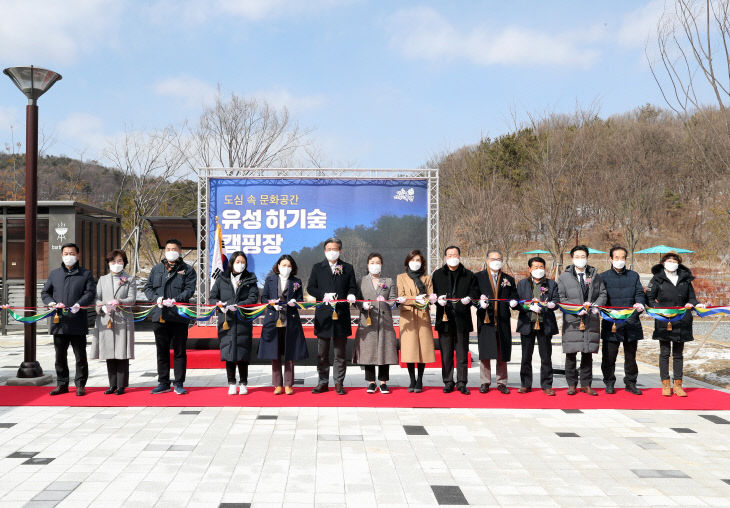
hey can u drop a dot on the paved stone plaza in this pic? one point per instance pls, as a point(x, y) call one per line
point(136, 456)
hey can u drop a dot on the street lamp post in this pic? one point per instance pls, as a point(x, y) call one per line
point(33, 82)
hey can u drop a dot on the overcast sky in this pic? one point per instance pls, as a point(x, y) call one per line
point(381, 83)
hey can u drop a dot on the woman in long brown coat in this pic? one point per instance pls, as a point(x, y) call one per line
point(415, 290)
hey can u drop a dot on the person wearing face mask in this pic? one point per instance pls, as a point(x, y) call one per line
point(581, 284)
point(375, 342)
point(494, 321)
point(236, 286)
point(171, 281)
point(623, 289)
point(282, 335)
point(332, 279)
point(453, 318)
point(538, 324)
point(114, 331)
point(671, 286)
point(70, 287)
point(415, 292)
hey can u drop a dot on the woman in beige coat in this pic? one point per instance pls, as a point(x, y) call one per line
point(115, 342)
point(415, 290)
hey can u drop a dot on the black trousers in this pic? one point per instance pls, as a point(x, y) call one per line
point(412, 370)
point(78, 343)
point(118, 371)
point(586, 369)
point(675, 349)
point(242, 372)
point(545, 349)
point(454, 341)
point(176, 335)
point(383, 372)
point(323, 359)
point(608, 362)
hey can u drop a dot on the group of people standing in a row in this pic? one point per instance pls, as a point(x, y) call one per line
point(452, 288)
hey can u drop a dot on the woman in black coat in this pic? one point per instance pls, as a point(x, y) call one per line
point(671, 286)
point(235, 286)
point(282, 334)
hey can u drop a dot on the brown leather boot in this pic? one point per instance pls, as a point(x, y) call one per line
point(678, 390)
point(278, 390)
point(666, 388)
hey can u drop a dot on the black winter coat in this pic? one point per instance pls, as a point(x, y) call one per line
point(457, 313)
point(295, 344)
point(322, 281)
point(662, 293)
point(549, 325)
point(70, 286)
point(178, 284)
point(236, 342)
point(623, 289)
point(495, 337)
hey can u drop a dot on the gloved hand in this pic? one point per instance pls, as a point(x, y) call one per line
point(366, 306)
point(76, 307)
point(535, 308)
point(421, 299)
point(273, 302)
point(442, 300)
point(113, 303)
point(587, 304)
point(381, 298)
point(220, 304)
point(483, 304)
point(433, 298)
point(328, 297)
point(170, 302)
point(688, 306)
point(231, 308)
point(104, 310)
point(159, 301)
point(277, 307)
point(59, 305)
point(513, 303)
point(639, 307)
point(466, 300)
point(292, 303)
point(701, 306)
point(551, 305)
point(595, 310)
point(351, 298)
point(401, 299)
point(582, 313)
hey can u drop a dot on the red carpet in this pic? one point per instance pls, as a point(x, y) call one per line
point(211, 332)
point(699, 399)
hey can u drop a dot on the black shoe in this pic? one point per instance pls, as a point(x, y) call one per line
point(339, 389)
point(484, 388)
point(571, 390)
point(448, 388)
point(371, 388)
point(463, 389)
point(60, 389)
point(384, 388)
point(610, 389)
point(632, 388)
point(412, 386)
point(503, 389)
point(111, 390)
point(320, 388)
point(419, 386)
point(80, 391)
point(120, 390)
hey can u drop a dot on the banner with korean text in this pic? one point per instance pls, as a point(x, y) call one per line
point(266, 218)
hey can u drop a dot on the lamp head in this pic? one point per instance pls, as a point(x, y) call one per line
point(32, 81)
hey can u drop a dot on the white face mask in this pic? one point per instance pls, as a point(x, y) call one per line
point(414, 265)
point(172, 255)
point(619, 264)
point(538, 273)
point(332, 255)
point(495, 266)
point(375, 269)
point(115, 268)
point(284, 271)
point(671, 266)
point(580, 262)
point(69, 260)
point(453, 262)
point(239, 267)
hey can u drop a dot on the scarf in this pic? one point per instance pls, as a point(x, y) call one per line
point(416, 277)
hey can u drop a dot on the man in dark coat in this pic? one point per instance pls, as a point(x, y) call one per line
point(453, 318)
point(493, 321)
point(332, 279)
point(170, 281)
point(537, 324)
point(623, 288)
point(70, 287)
